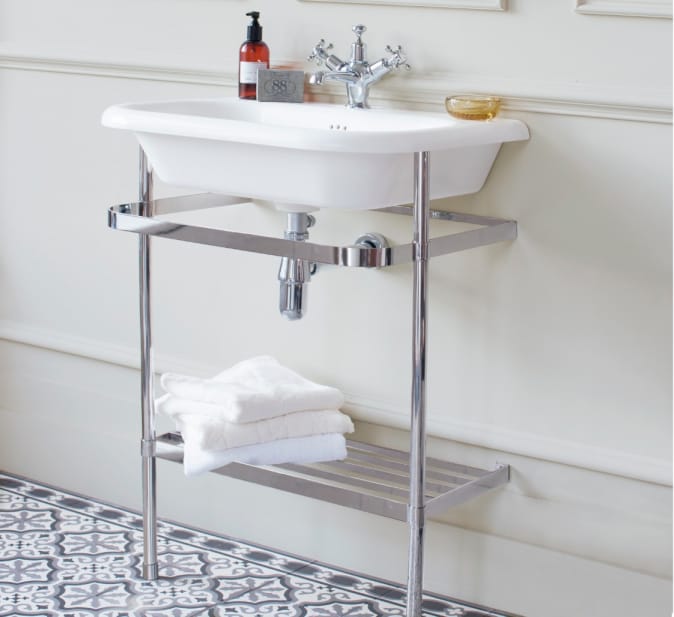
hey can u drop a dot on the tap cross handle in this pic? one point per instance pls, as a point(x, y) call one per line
point(320, 52)
point(397, 57)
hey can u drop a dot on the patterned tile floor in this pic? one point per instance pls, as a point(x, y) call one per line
point(69, 556)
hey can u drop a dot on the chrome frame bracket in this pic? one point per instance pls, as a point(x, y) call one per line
point(142, 218)
point(148, 447)
point(469, 490)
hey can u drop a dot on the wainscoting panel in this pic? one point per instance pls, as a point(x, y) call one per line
point(626, 8)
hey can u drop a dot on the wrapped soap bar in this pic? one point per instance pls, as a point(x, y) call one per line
point(280, 85)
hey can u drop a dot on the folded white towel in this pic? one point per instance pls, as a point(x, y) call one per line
point(216, 434)
point(253, 390)
point(315, 449)
point(173, 406)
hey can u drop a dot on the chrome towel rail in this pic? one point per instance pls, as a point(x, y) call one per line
point(141, 218)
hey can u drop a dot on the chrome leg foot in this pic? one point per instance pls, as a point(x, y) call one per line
point(150, 571)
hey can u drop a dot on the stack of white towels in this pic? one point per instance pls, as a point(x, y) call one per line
point(257, 412)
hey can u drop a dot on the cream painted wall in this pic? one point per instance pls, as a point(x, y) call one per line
point(552, 353)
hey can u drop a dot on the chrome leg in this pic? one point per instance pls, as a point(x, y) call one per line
point(148, 441)
point(416, 512)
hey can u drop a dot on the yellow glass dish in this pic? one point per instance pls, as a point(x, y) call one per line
point(473, 106)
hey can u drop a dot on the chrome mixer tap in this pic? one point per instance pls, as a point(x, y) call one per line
point(357, 74)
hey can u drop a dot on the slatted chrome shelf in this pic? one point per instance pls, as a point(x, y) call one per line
point(371, 479)
point(142, 218)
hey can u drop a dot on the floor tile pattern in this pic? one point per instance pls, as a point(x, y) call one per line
point(69, 556)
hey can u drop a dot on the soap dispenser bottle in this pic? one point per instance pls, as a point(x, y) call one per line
point(253, 54)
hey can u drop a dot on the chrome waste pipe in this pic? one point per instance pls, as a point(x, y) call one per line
point(416, 508)
point(294, 274)
point(148, 440)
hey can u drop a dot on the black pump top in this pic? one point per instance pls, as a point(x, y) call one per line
point(254, 29)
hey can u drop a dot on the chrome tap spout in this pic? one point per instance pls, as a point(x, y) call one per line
point(319, 77)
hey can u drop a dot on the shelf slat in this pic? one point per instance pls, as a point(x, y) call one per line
point(372, 478)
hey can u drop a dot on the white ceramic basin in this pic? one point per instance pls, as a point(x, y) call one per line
point(304, 156)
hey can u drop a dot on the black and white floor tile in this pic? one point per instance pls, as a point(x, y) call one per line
point(68, 556)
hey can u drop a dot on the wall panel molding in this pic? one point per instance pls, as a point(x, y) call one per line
point(626, 8)
point(425, 90)
point(420, 90)
point(613, 462)
point(488, 5)
point(533, 96)
point(97, 68)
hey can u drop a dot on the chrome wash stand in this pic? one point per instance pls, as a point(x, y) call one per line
point(404, 486)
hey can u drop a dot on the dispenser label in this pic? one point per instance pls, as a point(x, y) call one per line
point(248, 71)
